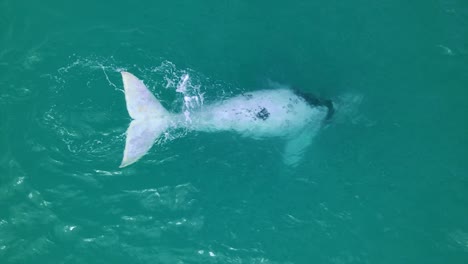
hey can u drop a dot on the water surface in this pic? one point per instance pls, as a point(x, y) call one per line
point(384, 182)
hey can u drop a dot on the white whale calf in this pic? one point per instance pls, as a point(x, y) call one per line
point(266, 113)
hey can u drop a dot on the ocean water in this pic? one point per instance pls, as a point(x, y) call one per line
point(386, 181)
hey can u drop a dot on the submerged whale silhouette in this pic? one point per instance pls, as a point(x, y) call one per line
point(261, 114)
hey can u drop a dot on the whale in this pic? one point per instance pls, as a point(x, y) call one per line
point(282, 113)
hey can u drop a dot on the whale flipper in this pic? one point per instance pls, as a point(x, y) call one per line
point(296, 146)
point(149, 119)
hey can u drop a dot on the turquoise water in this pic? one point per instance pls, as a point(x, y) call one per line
point(384, 182)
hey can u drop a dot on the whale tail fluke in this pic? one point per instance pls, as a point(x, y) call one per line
point(150, 119)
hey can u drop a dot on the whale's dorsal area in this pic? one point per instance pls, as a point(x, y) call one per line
point(264, 113)
point(261, 114)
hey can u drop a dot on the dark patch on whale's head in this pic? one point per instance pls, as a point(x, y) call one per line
point(263, 114)
point(315, 101)
point(331, 109)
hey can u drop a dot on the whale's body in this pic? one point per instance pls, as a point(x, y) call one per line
point(260, 114)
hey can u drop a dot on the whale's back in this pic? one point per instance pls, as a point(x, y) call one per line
point(263, 113)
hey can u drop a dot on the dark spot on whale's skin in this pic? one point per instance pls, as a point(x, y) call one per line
point(248, 96)
point(263, 114)
point(294, 101)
